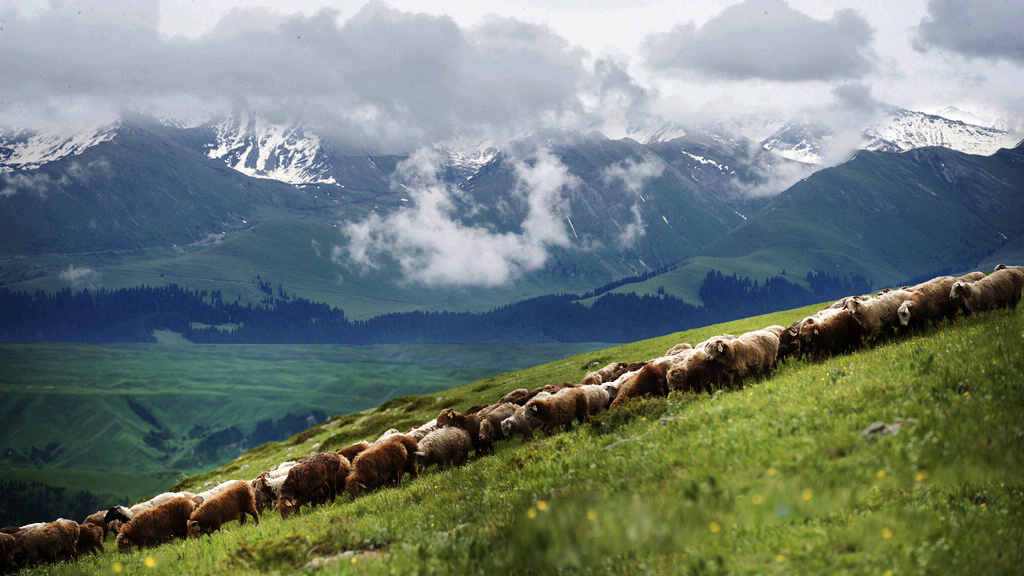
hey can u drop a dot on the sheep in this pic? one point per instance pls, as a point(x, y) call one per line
point(161, 523)
point(411, 446)
point(649, 380)
point(8, 548)
point(681, 347)
point(266, 487)
point(548, 388)
point(1000, 289)
point(51, 542)
point(376, 466)
point(928, 302)
point(313, 479)
point(420, 432)
point(444, 446)
point(830, 332)
point(598, 398)
point(235, 500)
point(96, 519)
point(387, 434)
point(694, 373)
point(352, 450)
point(513, 396)
point(518, 423)
point(753, 353)
point(879, 314)
point(790, 343)
point(90, 539)
point(490, 424)
point(559, 410)
point(468, 422)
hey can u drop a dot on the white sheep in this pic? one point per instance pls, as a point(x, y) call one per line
point(443, 446)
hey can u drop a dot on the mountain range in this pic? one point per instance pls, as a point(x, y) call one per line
point(233, 204)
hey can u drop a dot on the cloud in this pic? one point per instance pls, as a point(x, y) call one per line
point(767, 40)
point(979, 29)
point(383, 76)
point(430, 243)
point(634, 174)
point(81, 277)
point(30, 182)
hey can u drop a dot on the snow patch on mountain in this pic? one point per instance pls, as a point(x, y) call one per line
point(28, 150)
point(259, 148)
point(466, 157)
point(651, 132)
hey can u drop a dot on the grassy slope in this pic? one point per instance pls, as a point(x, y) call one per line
point(771, 479)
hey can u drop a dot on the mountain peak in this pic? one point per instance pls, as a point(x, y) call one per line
point(30, 149)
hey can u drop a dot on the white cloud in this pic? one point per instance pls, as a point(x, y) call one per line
point(81, 277)
point(433, 246)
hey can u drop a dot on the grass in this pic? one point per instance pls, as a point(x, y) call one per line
point(772, 479)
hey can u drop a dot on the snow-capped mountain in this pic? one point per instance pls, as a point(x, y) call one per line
point(259, 148)
point(652, 133)
point(904, 130)
point(899, 131)
point(27, 150)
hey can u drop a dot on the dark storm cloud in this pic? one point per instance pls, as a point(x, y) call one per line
point(766, 39)
point(384, 75)
point(977, 29)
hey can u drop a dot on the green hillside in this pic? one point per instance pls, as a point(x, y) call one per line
point(773, 479)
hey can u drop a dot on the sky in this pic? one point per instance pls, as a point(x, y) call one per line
point(395, 76)
point(405, 72)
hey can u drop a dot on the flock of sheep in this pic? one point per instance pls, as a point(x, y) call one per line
point(721, 361)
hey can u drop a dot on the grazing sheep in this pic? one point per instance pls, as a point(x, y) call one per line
point(790, 343)
point(444, 446)
point(8, 546)
point(266, 487)
point(97, 520)
point(753, 353)
point(418, 433)
point(877, 315)
point(352, 450)
point(313, 479)
point(829, 332)
point(468, 422)
point(518, 423)
point(929, 302)
point(490, 424)
point(387, 434)
point(598, 398)
point(50, 543)
point(90, 539)
point(548, 388)
point(161, 523)
point(695, 373)
point(558, 410)
point(649, 380)
point(514, 396)
point(1000, 289)
point(411, 446)
point(376, 466)
point(234, 501)
point(681, 347)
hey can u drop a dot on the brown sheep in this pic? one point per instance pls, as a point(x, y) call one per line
point(928, 302)
point(8, 546)
point(352, 450)
point(234, 501)
point(444, 446)
point(753, 353)
point(790, 343)
point(694, 373)
point(1000, 289)
point(50, 543)
point(681, 347)
point(877, 315)
point(648, 381)
point(411, 446)
point(513, 396)
point(830, 333)
point(376, 466)
point(468, 422)
point(549, 388)
point(90, 539)
point(161, 523)
point(490, 424)
point(558, 410)
point(314, 479)
point(97, 520)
